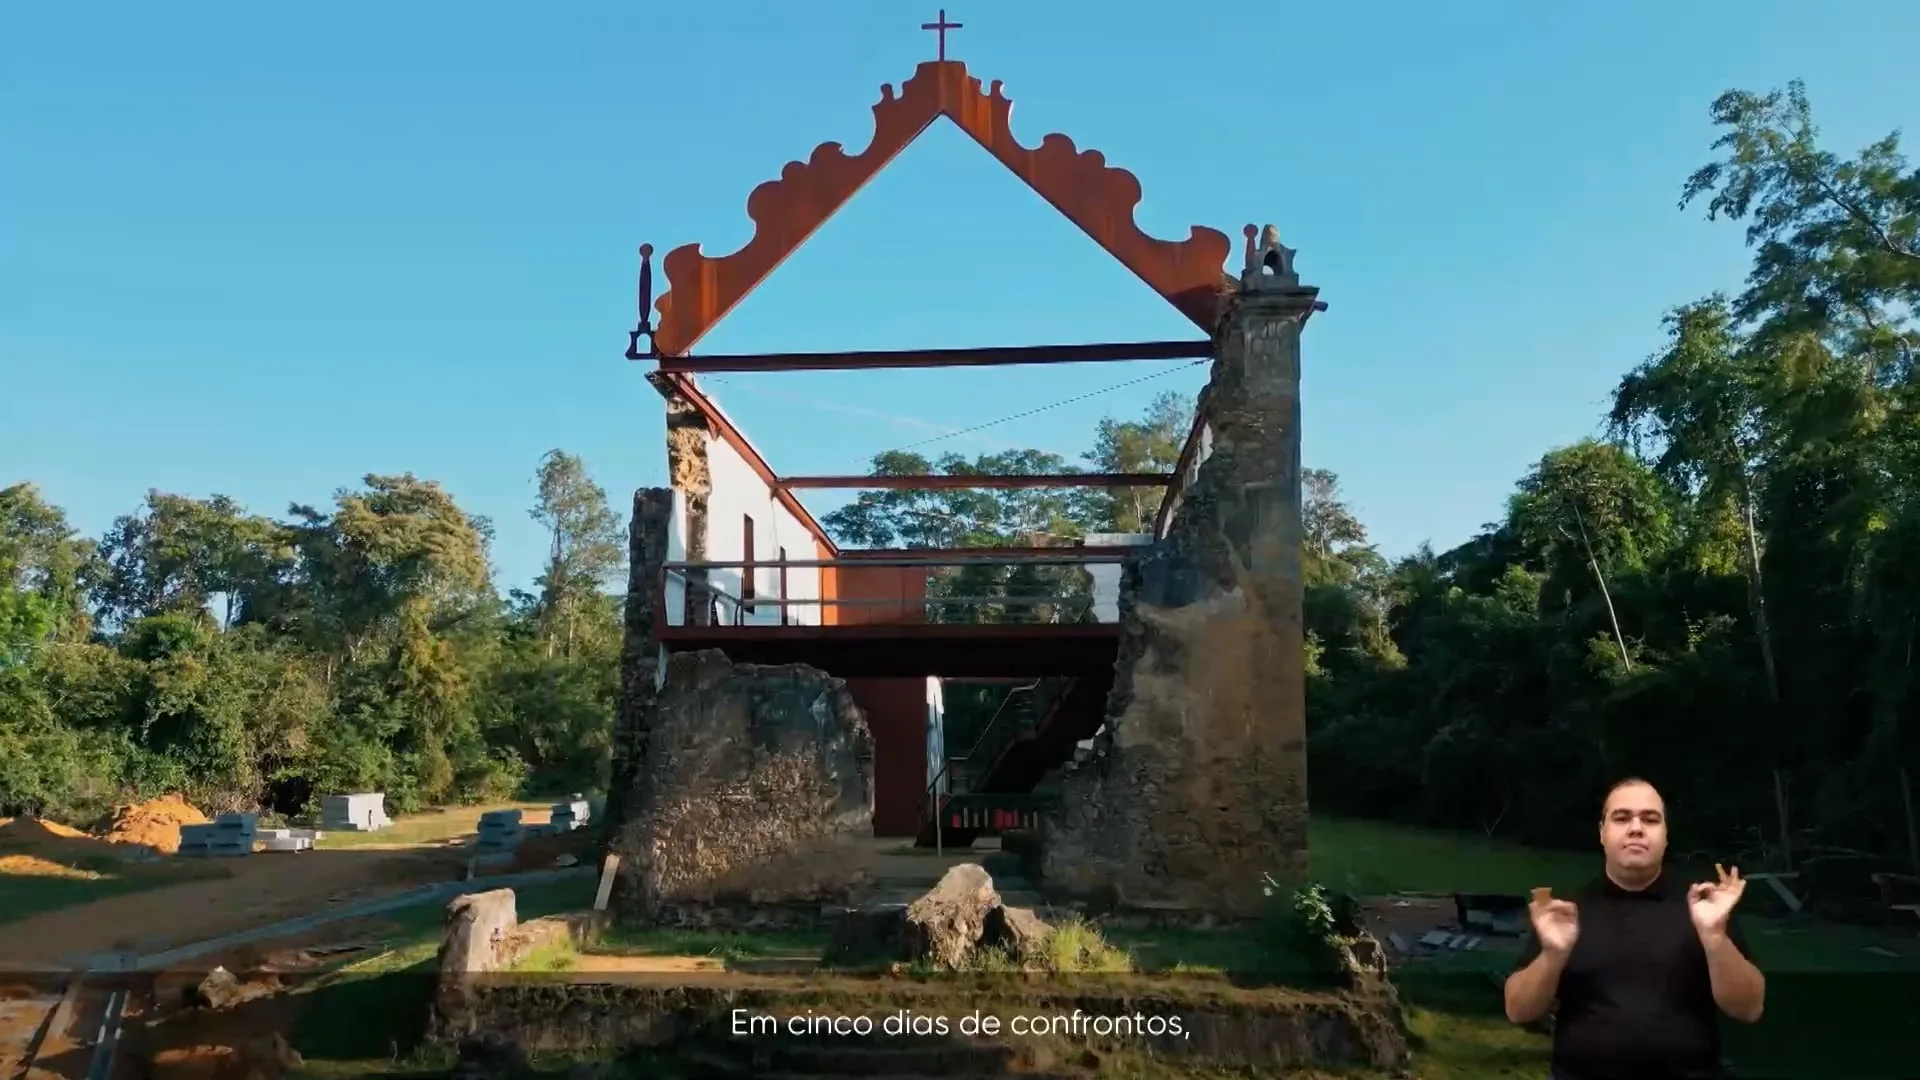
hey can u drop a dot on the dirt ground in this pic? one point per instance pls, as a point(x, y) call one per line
point(263, 888)
point(260, 889)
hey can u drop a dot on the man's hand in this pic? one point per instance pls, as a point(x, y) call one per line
point(1711, 903)
point(1556, 923)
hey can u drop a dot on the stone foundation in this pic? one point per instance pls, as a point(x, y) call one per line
point(1198, 782)
point(751, 784)
point(1221, 1026)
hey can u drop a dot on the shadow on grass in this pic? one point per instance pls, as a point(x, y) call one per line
point(374, 1011)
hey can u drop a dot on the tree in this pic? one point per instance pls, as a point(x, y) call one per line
point(1837, 242)
point(401, 541)
point(1701, 406)
point(1591, 505)
point(1150, 444)
point(180, 553)
point(41, 557)
point(584, 552)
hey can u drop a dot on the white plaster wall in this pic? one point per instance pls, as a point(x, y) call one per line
point(936, 734)
point(1106, 576)
point(676, 593)
point(738, 492)
point(1193, 472)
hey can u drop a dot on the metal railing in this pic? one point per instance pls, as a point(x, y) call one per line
point(1022, 710)
point(705, 601)
point(1196, 450)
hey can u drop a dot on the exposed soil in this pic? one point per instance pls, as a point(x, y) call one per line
point(261, 889)
point(21, 1015)
point(597, 964)
point(50, 841)
point(155, 823)
point(35, 866)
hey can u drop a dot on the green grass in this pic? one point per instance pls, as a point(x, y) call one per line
point(759, 945)
point(93, 878)
point(368, 1012)
point(1369, 858)
point(430, 827)
point(1822, 978)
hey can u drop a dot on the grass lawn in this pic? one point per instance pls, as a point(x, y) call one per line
point(431, 827)
point(1836, 1010)
point(1369, 858)
point(364, 1018)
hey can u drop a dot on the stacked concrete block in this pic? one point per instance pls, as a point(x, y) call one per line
point(228, 835)
point(568, 816)
point(500, 829)
point(288, 839)
point(362, 812)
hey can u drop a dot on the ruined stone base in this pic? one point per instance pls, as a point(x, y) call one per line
point(1221, 1025)
point(1196, 789)
point(752, 784)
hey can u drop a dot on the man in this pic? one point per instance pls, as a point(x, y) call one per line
point(1639, 964)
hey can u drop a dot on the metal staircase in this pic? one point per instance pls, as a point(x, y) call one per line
point(998, 785)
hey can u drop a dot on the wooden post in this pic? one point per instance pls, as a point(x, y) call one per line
point(1913, 831)
point(1780, 805)
point(608, 871)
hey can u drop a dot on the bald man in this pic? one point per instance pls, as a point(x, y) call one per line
point(1640, 965)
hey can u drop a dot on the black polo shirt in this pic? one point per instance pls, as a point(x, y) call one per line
point(1635, 1002)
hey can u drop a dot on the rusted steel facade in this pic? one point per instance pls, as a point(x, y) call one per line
point(1099, 198)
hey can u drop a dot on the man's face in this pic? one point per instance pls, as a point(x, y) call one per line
point(1633, 828)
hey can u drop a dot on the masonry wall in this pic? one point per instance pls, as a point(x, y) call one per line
point(752, 784)
point(1197, 784)
point(650, 543)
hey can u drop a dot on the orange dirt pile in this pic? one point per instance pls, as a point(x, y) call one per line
point(155, 823)
point(47, 840)
point(35, 866)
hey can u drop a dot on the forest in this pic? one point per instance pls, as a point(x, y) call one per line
point(1723, 595)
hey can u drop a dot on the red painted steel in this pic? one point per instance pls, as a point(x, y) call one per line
point(947, 482)
point(1119, 351)
point(1190, 274)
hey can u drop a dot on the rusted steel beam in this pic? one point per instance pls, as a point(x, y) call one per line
point(1104, 352)
point(1066, 557)
point(948, 482)
point(940, 556)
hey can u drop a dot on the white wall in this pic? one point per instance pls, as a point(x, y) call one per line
point(1106, 576)
point(1193, 471)
point(738, 492)
point(937, 734)
point(676, 594)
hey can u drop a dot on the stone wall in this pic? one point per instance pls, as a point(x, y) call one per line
point(1198, 782)
point(751, 783)
point(689, 473)
point(640, 656)
point(483, 937)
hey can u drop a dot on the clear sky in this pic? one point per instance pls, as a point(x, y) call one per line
point(263, 249)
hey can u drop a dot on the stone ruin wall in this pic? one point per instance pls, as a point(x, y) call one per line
point(1198, 782)
point(731, 782)
point(754, 782)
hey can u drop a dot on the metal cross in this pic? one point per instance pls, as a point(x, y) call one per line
point(941, 28)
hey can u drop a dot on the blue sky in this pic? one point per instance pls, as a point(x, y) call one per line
point(263, 249)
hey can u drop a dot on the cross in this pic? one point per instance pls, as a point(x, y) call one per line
point(941, 28)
